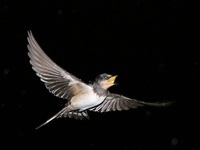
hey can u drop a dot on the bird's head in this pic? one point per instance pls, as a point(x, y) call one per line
point(105, 80)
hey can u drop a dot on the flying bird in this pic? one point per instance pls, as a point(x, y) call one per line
point(81, 97)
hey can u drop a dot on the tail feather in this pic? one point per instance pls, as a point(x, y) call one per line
point(55, 116)
point(76, 114)
point(67, 113)
point(46, 122)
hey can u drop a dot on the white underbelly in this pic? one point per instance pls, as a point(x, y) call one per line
point(85, 101)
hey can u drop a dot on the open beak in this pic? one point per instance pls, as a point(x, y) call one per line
point(112, 79)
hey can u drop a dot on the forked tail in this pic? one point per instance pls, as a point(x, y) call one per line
point(64, 110)
point(67, 112)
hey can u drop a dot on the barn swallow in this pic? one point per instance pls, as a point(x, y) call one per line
point(80, 96)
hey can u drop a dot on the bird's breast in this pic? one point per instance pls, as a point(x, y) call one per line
point(85, 101)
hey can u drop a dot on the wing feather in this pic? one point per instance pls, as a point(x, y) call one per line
point(104, 106)
point(118, 102)
point(58, 81)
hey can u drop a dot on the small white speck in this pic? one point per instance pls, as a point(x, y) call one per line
point(174, 141)
point(5, 7)
point(60, 12)
point(161, 65)
point(6, 72)
point(148, 113)
point(2, 105)
point(22, 92)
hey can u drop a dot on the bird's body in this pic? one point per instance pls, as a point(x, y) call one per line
point(86, 100)
point(79, 95)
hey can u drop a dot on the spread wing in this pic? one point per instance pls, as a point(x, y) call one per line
point(116, 102)
point(58, 81)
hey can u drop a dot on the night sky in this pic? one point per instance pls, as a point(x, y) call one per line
point(153, 47)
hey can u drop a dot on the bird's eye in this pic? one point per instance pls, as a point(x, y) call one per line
point(105, 77)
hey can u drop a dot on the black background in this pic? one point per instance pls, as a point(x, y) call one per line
point(153, 46)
